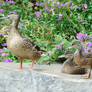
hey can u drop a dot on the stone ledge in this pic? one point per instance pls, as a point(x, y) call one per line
point(43, 78)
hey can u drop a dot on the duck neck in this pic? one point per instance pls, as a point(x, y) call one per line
point(15, 23)
point(14, 28)
point(78, 52)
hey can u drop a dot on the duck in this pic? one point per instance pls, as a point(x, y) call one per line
point(22, 47)
point(69, 66)
point(81, 59)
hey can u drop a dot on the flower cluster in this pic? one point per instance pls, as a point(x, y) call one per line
point(10, 1)
point(60, 16)
point(81, 37)
point(59, 46)
point(4, 55)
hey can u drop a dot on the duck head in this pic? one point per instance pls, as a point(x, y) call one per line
point(12, 15)
point(76, 44)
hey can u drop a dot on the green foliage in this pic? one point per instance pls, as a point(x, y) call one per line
point(43, 26)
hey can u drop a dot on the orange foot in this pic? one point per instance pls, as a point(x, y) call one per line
point(31, 68)
point(85, 77)
point(21, 68)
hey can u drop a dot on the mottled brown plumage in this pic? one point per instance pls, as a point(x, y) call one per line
point(69, 65)
point(82, 60)
point(20, 46)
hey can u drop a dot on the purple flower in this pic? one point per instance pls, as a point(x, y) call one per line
point(0, 3)
point(38, 14)
point(21, 25)
point(3, 54)
point(44, 1)
point(85, 6)
point(3, 44)
point(0, 34)
point(41, 3)
point(7, 55)
point(1, 10)
point(36, 3)
point(62, 42)
point(66, 5)
point(81, 37)
point(58, 47)
point(48, 2)
point(7, 60)
point(49, 51)
point(80, 19)
point(84, 49)
point(60, 14)
point(57, 2)
point(10, 60)
point(62, 4)
point(71, 8)
point(89, 37)
point(1, 51)
point(6, 0)
point(3, 35)
point(77, 7)
point(59, 18)
point(89, 44)
point(4, 48)
point(91, 51)
point(11, 2)
point(84, 9)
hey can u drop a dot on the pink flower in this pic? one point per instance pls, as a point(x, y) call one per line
point(6, 0)
point(58, 47)
point(57, 2)
point(11, 2)
point(49, 51)
point(62, 4)
point(85, 5)
point(21, 25)
point(59, 18)
point(7, 55)
point(3, 54)
point(36, 3)
point(1, 51)
point(81, 37)
point(1, 10)
point(0, 3)
point(77, 7)
point(60, 14)
point(62, 42)
point(3, 35)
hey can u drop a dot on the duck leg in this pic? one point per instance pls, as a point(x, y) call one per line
point(88, 75)
point(32, 65)
point(21, 64)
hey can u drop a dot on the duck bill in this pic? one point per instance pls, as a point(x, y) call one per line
point(70, 47)
point(4, 17)
point(61, 56)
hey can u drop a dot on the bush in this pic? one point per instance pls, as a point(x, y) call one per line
point(49, 22)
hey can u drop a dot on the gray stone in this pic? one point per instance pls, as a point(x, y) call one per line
point(43, 78)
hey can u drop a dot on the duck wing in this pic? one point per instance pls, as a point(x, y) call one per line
point(28, 44)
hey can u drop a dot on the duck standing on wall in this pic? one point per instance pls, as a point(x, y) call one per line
point(21, 47)
point(82, 60)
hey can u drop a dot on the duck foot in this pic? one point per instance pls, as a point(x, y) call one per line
point(85, 77)
point(31, 68)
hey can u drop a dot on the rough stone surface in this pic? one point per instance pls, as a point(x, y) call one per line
point(43, 78)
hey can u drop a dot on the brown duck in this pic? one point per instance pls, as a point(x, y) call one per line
point(82, 60)
point(69, 65)
point(21, 47)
